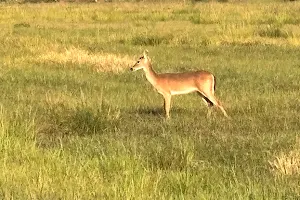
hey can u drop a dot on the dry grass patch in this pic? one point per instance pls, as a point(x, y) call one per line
point(101, 62)
point(287, 163)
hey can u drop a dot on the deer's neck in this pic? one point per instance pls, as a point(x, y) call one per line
point(151, 75)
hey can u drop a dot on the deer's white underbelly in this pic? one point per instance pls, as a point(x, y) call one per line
point(189, 90)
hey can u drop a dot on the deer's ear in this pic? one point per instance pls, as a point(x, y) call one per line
point(146, 54)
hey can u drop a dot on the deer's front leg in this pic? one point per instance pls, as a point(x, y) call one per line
point(167, 104)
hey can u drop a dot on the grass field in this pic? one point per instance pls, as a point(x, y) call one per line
point(75, 123)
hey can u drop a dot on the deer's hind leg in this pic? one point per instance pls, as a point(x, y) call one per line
point(208, 103)
point(207, 90)
point(218, 104)
point(211, 100)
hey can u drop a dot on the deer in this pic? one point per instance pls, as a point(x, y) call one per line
point(169, 84)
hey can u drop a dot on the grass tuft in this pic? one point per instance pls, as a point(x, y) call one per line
point(287, 163)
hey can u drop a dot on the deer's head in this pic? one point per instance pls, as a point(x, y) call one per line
point(142, 62)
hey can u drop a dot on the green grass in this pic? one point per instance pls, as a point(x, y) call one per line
point(75, 123)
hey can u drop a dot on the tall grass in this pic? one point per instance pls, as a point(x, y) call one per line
point(75, 123)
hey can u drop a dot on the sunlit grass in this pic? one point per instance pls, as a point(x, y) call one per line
point(77, 57)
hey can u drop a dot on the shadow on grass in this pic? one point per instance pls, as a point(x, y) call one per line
point(150, 111)
point(60, 122)
point(159, 111)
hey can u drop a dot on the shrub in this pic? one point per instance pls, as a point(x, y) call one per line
point(273, 31)
point(151, 40)
point(22, 25)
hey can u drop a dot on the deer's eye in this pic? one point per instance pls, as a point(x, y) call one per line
point(138, 61)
